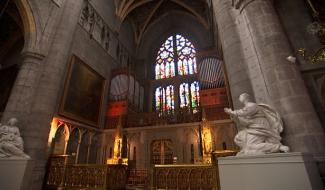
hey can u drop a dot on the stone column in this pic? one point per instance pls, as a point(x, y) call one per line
point(22, 95)
point(35, 95)
point(282, 82)
point(232, 51)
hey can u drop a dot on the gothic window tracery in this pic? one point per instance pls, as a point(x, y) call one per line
point(176, 56)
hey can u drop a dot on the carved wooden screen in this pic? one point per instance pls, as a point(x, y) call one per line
point(162, 152)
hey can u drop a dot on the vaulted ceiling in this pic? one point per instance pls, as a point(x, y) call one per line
point(142, 13)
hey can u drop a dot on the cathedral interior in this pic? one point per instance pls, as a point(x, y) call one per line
point(144, 94)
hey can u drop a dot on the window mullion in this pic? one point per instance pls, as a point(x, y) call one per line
point(175, 58)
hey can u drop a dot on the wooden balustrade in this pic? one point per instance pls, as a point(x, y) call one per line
point(62, 175)
point(185, 177)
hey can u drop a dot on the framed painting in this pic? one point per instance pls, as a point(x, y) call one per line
point(83, 93)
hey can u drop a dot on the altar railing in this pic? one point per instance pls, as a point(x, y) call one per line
point(62, 175)
point(185, 177)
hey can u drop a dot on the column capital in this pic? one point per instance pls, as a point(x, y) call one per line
point(32, 55)
point(241, 4)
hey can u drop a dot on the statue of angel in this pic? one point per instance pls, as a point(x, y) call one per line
point(261, 125)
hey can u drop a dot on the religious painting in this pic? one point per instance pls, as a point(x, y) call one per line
point(83, 93)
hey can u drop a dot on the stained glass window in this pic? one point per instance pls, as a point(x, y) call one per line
point(176, 56)
point(195, 97)
point(165, 66)
point(189, 96)
point(160, 99)
point(165, 99)
point(170, 104)
point(186, 56)
point(184, 95)
point(175, 49)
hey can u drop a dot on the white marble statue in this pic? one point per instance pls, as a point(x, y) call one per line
point(261, 125)
point(11, 143)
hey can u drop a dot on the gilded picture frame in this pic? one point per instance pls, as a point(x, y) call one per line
point(83, 93)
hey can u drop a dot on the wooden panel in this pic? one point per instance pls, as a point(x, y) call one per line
point(212, 97)
point(117, 108)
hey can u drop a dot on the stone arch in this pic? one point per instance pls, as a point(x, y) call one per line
point(84, 147)
point(61, 139)
point(74, 139)
point(94, 151)
point(30, 26)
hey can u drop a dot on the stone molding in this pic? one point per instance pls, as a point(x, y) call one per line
point(32, 55)
point(241, 4)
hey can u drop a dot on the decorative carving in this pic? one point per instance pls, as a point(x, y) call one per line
point(318, 57)
point(318, 26)
point(95, 25)
point(184, 177)
point(11, 143)
point(122, 55)
point(262, 127)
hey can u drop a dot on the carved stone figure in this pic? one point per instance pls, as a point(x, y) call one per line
point(261, 125)
point(11, 143)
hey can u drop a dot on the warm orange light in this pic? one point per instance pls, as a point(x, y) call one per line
point(206, 142)
point(118, 148)
point(54, 127)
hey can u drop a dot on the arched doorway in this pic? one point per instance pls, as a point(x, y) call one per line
point(11, 45)
point(162, 152)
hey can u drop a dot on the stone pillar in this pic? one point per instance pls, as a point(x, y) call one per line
point(282, 82)
point(22, 95)
point(232, 51)
point(35, 95)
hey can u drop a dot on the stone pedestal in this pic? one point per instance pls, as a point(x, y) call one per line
point(15, 173)
point(283, 171)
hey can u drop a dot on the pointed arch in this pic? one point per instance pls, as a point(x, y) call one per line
point(29, 26)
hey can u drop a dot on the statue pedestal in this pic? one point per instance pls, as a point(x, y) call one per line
point(282, 171)
point(15, 173)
